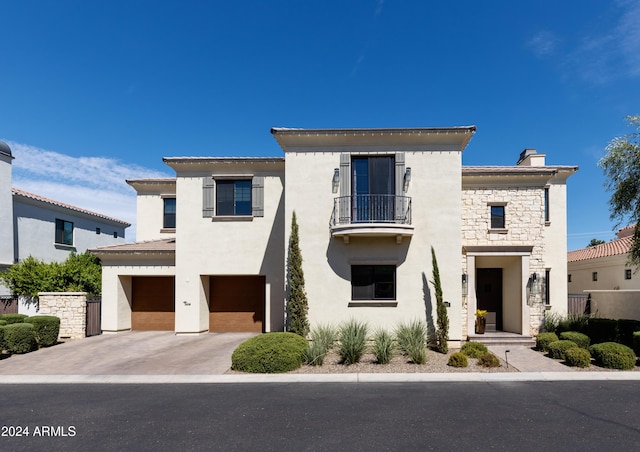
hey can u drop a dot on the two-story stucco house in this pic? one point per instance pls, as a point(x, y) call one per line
point(32, 225)
point(370, 205)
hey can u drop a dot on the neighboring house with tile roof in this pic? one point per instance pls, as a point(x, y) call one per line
point(603, 272)
point(370, 204)
point(32, 225)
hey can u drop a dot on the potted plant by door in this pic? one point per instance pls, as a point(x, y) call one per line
point(481, 320)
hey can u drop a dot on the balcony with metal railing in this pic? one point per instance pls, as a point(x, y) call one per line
point(371, 216)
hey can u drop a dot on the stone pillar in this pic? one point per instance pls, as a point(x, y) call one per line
point(71, 307)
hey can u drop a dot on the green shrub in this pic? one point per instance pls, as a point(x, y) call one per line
point(602, 330)
point(13, 318)
point(412, 339)
point(474, 349)
point(2, 342)
point(20, 338)
point(458, 359)
point(551, 321)
point(47, 329)
point(544, 339)
point(573, 322)
point(353, 341)
point(3, 322)
point(581, 340)
point(577, 357)
point(269, 353)
point(314, 353)
point(489, 360)
point(383, 347)
point(557, 348)
point(636, 343)
point(613, 355)
point(322, 338)
point(626, 328)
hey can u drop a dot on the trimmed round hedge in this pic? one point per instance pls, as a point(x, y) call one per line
point(613, 355)
point(474, 349)
point(269, 353)
point(581, 340)
point(20, 338)
point(489, 360)
point(47, 329)
point(577, 357)
point(2, 343)
point(13, 318)
point(458, 359)
point(544, 339)
point(557, 348)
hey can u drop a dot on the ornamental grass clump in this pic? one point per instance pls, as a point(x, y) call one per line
point(474, 349)
point(489, 360)
point(412, 339)
point(613, 355)
point(321, 341)
point(458, 359)
point(269, 353)
point(557, 348)
point(544, 339)
point(353, 341)
point(577, 357)
point(383, 347)
point(581, 340)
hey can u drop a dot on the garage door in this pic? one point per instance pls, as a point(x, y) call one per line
point(236, 303)
point(152, 303)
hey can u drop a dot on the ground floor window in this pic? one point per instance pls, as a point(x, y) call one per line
point(373, 282)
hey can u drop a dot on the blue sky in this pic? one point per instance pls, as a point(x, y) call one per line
point(96, 92)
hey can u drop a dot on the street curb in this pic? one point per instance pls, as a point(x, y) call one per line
point(322, 378)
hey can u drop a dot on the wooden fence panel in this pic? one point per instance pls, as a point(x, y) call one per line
point(8, 305)
point(93, 326)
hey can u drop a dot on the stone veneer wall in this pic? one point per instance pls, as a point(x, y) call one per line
point(525, 226)
point(71, 307)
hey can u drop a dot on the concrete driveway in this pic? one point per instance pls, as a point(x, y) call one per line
point(131, 353)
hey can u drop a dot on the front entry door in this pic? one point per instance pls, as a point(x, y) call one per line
point(489, 292)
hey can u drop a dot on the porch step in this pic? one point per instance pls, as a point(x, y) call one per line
point(490, 339)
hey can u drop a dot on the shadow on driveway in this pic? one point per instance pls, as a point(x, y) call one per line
point(131, 353)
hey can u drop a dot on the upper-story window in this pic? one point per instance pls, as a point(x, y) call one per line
point(627, 273)
point(64, 232)
point(233, 197)
point(497, 216)
point(169, 213)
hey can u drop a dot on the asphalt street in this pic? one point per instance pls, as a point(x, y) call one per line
point(584, 415)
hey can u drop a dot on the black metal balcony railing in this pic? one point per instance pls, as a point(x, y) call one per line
point(371, 209)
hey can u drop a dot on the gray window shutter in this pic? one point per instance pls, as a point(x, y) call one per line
point(344, 204)
point(400, 202)
point(208, 199)
point(257, 196)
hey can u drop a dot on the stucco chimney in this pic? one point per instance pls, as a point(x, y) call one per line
point(530, 157)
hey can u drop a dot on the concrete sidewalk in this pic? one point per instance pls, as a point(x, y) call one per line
point(527, 360)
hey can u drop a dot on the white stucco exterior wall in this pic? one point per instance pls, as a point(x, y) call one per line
point(6, 215)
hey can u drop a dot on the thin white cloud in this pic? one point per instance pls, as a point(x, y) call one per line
point(543, 43)
point(92, 183)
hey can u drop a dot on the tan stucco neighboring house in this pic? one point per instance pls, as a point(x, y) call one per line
point(370, 205)
point(603, 272)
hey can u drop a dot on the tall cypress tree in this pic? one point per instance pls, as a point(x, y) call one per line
point(297, 307)
point(442, 330)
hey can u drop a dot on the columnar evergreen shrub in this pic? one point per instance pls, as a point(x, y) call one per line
point(544, 339)
point(577, 357)
point(458, 359)
point(613, 355)
point(557, 348)
point(20, 338)
point(383, 347)
point(46, 327)
point(442, 331)
point(13, 318)
point(269, 353)
point(602, 330)
point(297, 306)
point(412, 339)
point(582, 340)
point(489, 360)
point(353, 341)
point(474, 349)
point(636, 343)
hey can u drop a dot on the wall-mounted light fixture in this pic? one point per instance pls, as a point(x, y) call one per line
point(407, 178)
point(335, 183)
point(534, 284)
point(465, 284)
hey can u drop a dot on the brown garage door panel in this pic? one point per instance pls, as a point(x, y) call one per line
point(153, 321)
point(236, 303)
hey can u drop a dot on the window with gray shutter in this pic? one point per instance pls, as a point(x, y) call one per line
point(208, 198)
point(257, 196)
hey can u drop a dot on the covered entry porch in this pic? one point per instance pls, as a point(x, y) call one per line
point(499, 281)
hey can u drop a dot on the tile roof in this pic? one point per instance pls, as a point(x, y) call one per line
point(613, 248)
point(150, 246)
point(34, 197)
